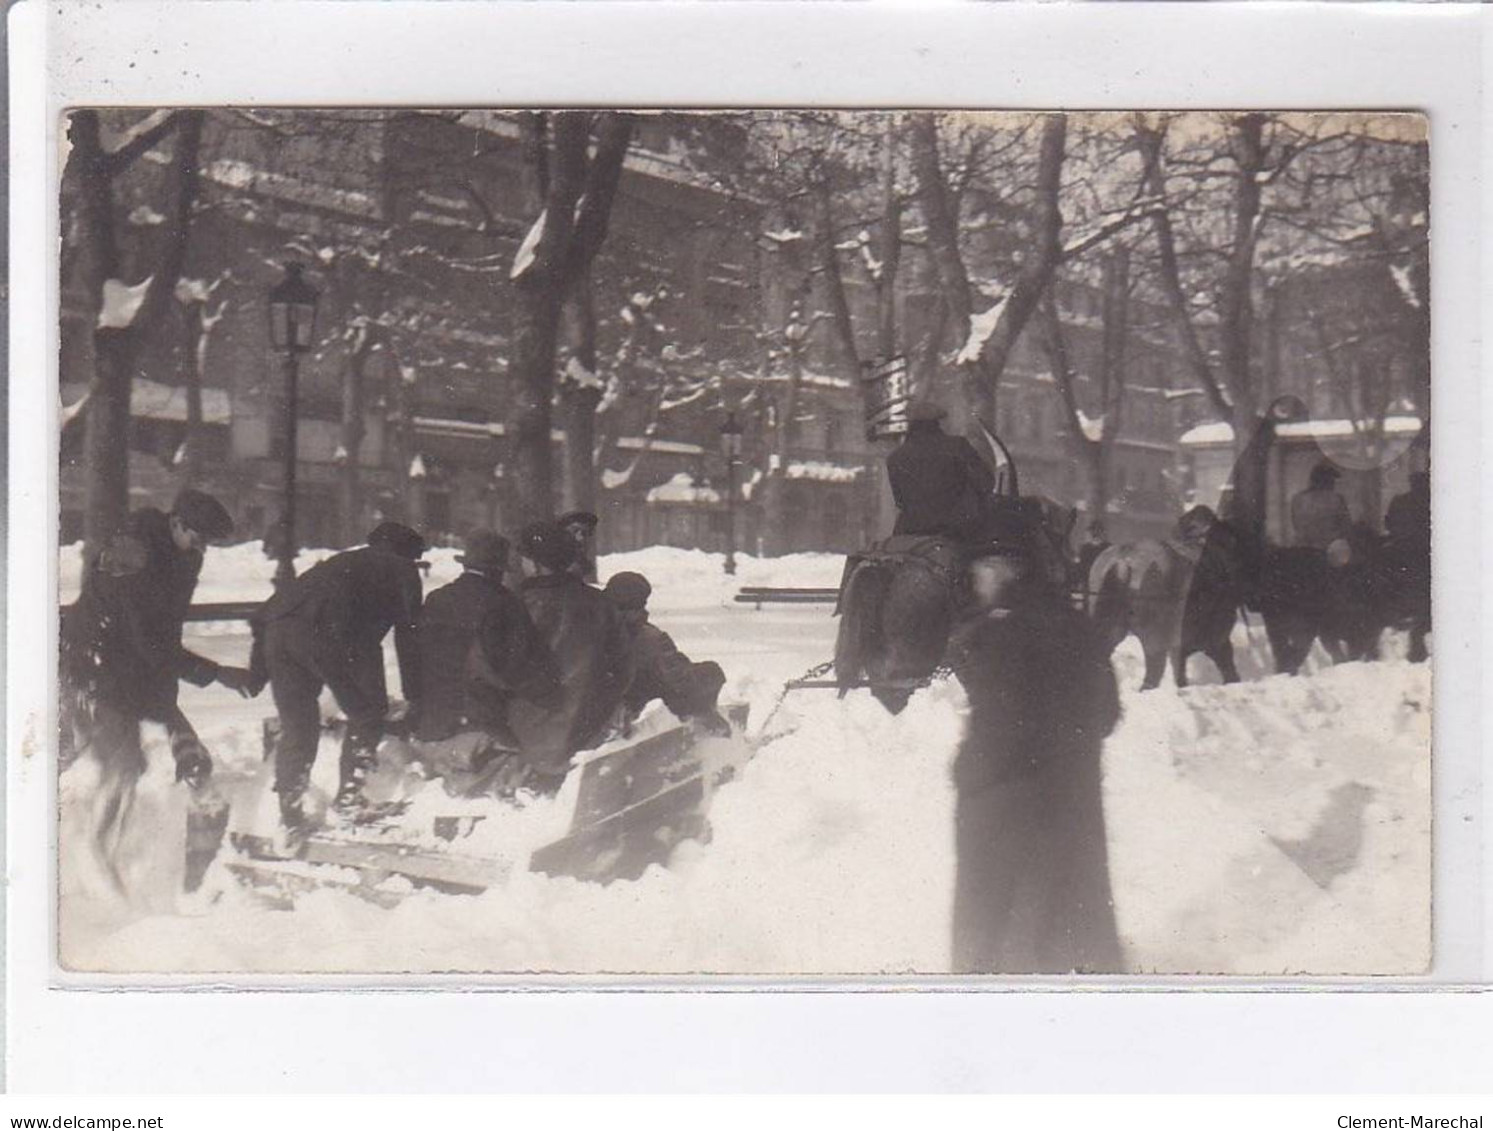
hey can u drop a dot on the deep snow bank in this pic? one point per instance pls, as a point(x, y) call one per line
point(1280, 826)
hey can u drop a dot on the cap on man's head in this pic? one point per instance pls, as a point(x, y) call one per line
point(486, 550)
point(548, 544)
point(583, 519)
point(199, 511)
point(922, 410)
point(1325, 474)
point(629, 590)
point(399, 539)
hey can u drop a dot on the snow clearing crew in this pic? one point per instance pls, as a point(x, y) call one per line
point(939, 482)
point(660, 669)
point(326, 629)
point(589, 645)
point(478, 649)
point(122, 655)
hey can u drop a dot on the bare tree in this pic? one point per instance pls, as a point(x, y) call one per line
point(578, 190)
point(1093, 437)
point(125, 315)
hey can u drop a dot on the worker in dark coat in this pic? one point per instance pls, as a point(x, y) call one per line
point(121, 642)
point(939, 482)
point(1408, 519)
point(478, 646)
point(326, 629)
point(1319, 515)
point(591, 649)
point(1408, 556)
point(581, 525)
point(1032, 890)
point(660, 669)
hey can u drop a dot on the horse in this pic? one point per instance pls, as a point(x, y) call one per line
point(1344, 596)
point(1179, 596)
point(900, 599)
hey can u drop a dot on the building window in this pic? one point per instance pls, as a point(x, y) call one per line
point(832, 434)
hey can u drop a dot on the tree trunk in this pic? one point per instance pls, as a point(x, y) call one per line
point(533, 370)
point(1150, 142)
point(1037, 267)
point(117, 347)
point(350, 481)
point(834, 282)
point(580, 188)
point(580, 394)
point(982, 371)
point(192, 373)
point(106, 446)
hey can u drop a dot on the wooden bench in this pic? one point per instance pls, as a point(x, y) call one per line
point(223, 610)
point(759, 595)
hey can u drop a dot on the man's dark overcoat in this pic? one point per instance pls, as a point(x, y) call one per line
point(478, 646)
point(592, 652)
point(939, 483)
point(121, 641)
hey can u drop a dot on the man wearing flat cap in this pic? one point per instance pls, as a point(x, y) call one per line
point(660, 669)
point(581, 525)
point(589, 644)
point(939, 482)
point(478, 647)
point(326, 629)
point(122, 652)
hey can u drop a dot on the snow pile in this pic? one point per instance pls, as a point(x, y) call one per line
point(1274, 827)
point(822, 472)
point(1277, 826)
point(682, 488)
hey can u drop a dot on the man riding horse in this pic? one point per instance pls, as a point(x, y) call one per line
point(939, 482)
point(899, 599)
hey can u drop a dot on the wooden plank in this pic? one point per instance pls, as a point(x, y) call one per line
point(223, 610)
point(278, 886)
point(620, 780)
point(770, 592)
point(376, 860)
point(625, 844)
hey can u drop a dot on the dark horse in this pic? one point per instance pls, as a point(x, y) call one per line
point(1179, 596)
point(1344, 596)
point(899, 600)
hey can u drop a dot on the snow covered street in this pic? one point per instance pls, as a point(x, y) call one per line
point(1279, 826)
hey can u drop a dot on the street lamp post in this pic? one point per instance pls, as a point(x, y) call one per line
point(292, 306)
point(731, 449)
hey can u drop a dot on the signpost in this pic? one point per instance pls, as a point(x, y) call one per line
point(886, 397)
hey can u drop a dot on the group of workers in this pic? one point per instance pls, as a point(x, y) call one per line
point(1320, 517)
point(503, 685)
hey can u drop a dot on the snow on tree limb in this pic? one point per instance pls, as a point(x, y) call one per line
point(523, 260)
point(578, 375)
point(981, 328)
point(72, 412)
point(1401, 275)
point(1092, 427)
point(121, 303)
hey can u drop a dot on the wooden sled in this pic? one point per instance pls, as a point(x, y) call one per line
point(636, 800)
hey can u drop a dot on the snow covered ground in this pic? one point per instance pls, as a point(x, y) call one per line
point(1277, 826)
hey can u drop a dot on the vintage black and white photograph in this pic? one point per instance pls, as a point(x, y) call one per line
point(778, 543)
